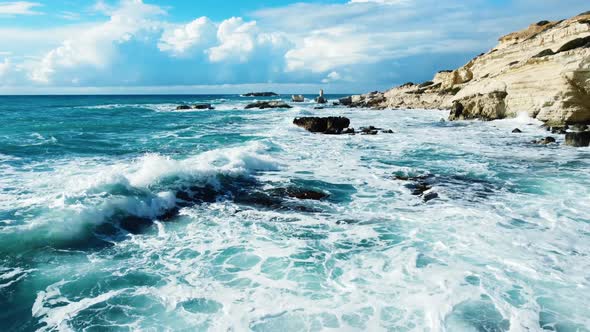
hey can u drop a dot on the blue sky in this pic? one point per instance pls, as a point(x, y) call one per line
point(231, 46)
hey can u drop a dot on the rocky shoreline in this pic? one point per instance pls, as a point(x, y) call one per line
point(543, 71)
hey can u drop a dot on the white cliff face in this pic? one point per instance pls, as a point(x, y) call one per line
point(543, 70)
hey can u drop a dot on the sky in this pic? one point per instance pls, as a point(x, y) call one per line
point(233, 46)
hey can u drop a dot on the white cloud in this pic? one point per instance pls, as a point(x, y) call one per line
point(19, 8)
point(332, 77)
point(4, 67)
point(362, 41)
point(236, 40)
point(199, 33)
point(96, 45)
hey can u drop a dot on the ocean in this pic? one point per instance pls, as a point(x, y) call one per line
point(120, 213)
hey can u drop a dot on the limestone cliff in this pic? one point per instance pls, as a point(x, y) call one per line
point(543, 70)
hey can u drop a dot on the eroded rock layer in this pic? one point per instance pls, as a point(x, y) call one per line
point(543, 71)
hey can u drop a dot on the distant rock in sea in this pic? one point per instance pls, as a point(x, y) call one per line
point(195, 107)
point(260, 94)
point(297, 98)
point(543, 70)
point(268, 104)
point(326, 125)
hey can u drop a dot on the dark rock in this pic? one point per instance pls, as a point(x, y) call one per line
point(268, 104)
point(559, 130)
point(406, 85)
point(305, 194)
point(202, 107)
point(456, 111)
point(321, 100)
point(429, 196)
point(585, 13)
point(576, 43)
point(516, 131)
point(542, 23)
point(513, 63)
point(543, 53)
point(578, 139)
point(183, 107)
point(331, 125)
point(546, 140)
point(335, 103)
point(318, 108)
point(260, 94)
point(346, 101)
point(388, 131)
point(370, 130)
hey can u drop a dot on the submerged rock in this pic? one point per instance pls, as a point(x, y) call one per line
point(305, 194)
point(516, 131)
point(268, 104)
point(578, 139)
point(370, 130)
point(420, 185)
point(195, 107)
point(202, 107)
point(546, 140)
point(327, 125)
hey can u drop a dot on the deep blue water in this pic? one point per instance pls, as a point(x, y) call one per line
point(121, 213)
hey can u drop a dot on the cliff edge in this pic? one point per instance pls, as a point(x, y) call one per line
point(543, 70)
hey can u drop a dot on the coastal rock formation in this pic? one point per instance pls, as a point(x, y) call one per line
point(543, 70)
point(578, 139)
point(326, 125)
point(260, 94)
point(268, 104)
point(321, 99)
point(195, 107)
point(297, 98)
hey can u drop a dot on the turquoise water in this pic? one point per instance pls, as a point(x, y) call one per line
point(118, 213)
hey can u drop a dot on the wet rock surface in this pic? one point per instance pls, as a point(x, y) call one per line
point(195, 107)
point(268, 104)
point(578, 139)
point(544, 141)
point(326, 125)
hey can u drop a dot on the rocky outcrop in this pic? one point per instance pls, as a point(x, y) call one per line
point(543, 71)
point(326, 125)
point(260, 94)
point(578, 139)
point(268, 104)
point(488, 106)
point(297, 98)
point(195, 107)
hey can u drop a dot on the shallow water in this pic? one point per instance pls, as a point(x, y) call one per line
point(96, 231)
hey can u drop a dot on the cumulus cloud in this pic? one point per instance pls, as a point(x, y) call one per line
point(19, 8)
point(369, 42)
point(96, 45)
point(198, 34)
